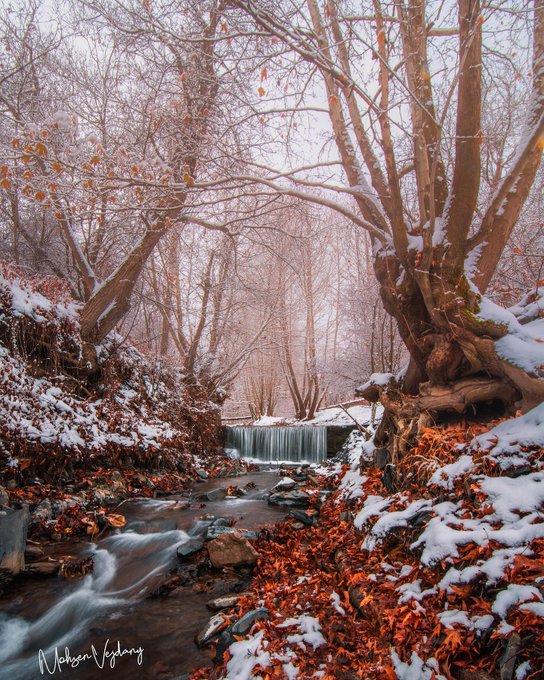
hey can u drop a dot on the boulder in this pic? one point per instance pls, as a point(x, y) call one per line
point(238, 629)
point(202, 473)
point(285, 484)
point(200, 527)
point(232, 550)
point(226, 602)
point(43, 568)
point(301, 516)
point(290, 498)
point(43, 512)
point(33, 553)
point(190, 548)
point(244, 625)
point(213, 495)
point(211, 630)
point(4, 497)
point(13, 530)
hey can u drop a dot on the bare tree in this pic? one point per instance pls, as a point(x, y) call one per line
point(434, 256)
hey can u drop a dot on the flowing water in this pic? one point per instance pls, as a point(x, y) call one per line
point(277, 444)
point(111, 607)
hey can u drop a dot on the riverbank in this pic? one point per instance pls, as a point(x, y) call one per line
point(440, 579)
point(149, 582)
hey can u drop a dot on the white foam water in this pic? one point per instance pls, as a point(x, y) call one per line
point(125, 567)
point(278, 444)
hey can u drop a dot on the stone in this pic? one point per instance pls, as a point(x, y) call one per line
point(226, 602)
point(244, 625)
point(43, 512)
point(346, 516)
point(44, 568)
point(211, 630)
point(301, 516)
point(213, 495)
point(13, 530)
point(285, 484)
point(232, 550)
point(33, 553)
point(202, 473)
point(298, 526)
point(190, 548)
point(214, 531)
point(4, 497)
point(11, 485)
point(200, 527)
point(221, 522)
point(290, 498)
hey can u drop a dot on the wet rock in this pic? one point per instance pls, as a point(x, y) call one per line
point(221, 522)
point(190, 548)
point(213, 495)
point(43, 512)
point(226, 602)
point(211, 630)
point(200, 527)
point(232, 550)
point(59, 506)
point(43, 568)
point(228, 587)
point(290, 498)
point(301, 516)
point(238, 629)
point(33, 553)
point(202, 473)
point(285, 484)
point(4, 497)
point(13, 530)
point(214, 531)
point(244, 625)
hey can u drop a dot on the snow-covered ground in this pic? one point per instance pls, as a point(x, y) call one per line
point(360, 414)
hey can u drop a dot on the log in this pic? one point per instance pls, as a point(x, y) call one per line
point(13, 530)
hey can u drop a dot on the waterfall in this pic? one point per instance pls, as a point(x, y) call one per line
point(271, 444)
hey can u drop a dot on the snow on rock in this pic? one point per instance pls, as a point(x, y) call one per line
point(245, 656)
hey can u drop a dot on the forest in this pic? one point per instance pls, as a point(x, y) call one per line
point(272, 339)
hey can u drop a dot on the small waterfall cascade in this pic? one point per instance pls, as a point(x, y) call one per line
point(278, 444)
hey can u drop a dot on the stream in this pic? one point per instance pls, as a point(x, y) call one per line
point(112, 608)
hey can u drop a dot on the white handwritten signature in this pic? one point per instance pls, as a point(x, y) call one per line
point(110, 656)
